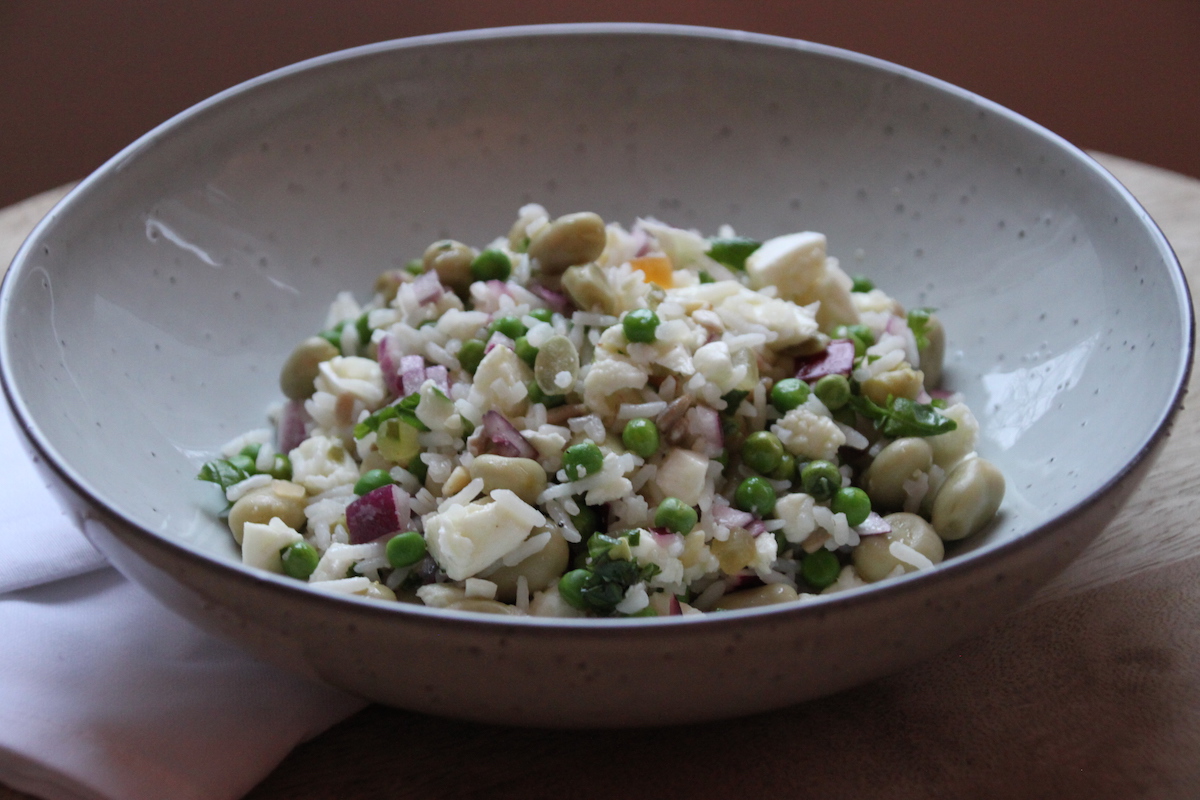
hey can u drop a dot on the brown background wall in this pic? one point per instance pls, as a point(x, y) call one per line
point(79, 80)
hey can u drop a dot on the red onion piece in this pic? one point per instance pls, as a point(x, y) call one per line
point(837, 359)
point(663, 537)
point(756, 528)
point(378, 513)
point(873, 525)
point(941, 394)
point(498, 339)
point(673, 608)
point(896, 325)
point(412, 374)
point(556, 300)
point(505, 439)
point(499, 287)
point(924, 397)
point(389, 363)
point(427, 288)
point(730, 517)
point(643, 242)
point(440, 378)
point(292, 428)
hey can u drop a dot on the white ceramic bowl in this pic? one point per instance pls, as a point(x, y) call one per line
point(146, 318)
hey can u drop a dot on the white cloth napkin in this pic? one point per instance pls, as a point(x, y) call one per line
point(104, 693)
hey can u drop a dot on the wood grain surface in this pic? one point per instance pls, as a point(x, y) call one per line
point(1092, 690)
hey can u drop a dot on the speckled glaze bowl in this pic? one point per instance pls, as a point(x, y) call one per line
point(146, 318)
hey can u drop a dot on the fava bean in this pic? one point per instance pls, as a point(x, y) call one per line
point(297, 376)
point(968, 499)
point(567, 241)
point(282, 499)
point(524, 477)
point(898, 462)
point(873, 558)
point(451, 261)
point(904, 381)
point(769, 595)
point(541, 570)
point(589, 288)
point(934, 353)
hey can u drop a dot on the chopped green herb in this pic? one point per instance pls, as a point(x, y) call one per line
point(732, 252)
point(903, 417)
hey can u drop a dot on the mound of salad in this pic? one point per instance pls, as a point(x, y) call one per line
point(583, 420)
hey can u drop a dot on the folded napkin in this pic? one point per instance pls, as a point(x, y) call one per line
point(104, 693)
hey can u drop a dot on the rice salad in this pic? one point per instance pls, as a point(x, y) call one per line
point(584, 420)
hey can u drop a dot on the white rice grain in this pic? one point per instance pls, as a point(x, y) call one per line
point(909, 556)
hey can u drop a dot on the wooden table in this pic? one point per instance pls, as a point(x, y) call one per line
point(1092, 690)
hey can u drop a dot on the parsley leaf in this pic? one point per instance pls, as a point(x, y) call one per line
point(903, 417)
point(223, 473)
point(405, 410)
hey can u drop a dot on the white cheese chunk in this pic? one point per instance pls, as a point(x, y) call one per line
point(261, 543)
point(682, 475)
point(464, 539)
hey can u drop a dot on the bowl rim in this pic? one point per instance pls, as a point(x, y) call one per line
point(818, 605)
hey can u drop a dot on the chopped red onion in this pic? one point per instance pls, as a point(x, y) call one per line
point(292, 428)
point(427, 288)
point(836, 359)
point(756, 528)
point(673, 607)
point(378, 513)
point(873, 525)
point(498, 339)
point(923, 397)
point(440, 378)
point(505, 439)
point(412, 374)
point(663, 537)
point(896, 325)
point(643, 242)
point(389, 364)
point(730, 517)
point(941, 394)
point(499, 287)
point(556, 300)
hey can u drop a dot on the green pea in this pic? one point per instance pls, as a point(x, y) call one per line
point(571, 586)
point(251, 451)
point(525, 351)
point(583, 459)
point(371, 480)
point(833, 391)
point(762, 451)
point(676, 516)
point(640, 325)
point(405, 550)
point(542, 314)
point(820, 569)
point(299, 560)
point(471, 354)
point(589, 520)
point(415, 267)
point(512, 327)
point(786, 469)
point(861, 335)
point(491, 265)
point(854, 503)
point(862, 284)
point(755, 495)
point(820, 479)
point(641, 437)
point(536, 395)
point(789, 393)
point(418, 468)
point(334, 335)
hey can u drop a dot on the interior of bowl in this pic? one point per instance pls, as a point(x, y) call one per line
point(146, 319)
